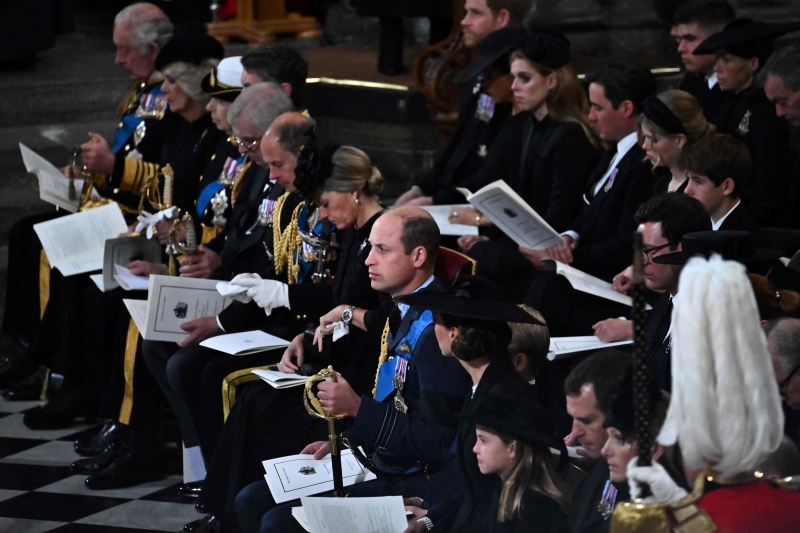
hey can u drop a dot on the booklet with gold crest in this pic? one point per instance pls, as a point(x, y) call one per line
point(173, 301)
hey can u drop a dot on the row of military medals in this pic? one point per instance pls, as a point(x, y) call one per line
point(399, 378)
point(484, 111)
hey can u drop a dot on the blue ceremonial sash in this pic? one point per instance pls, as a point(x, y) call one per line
point(206, 195)
point(129, 123)
point(386, 372)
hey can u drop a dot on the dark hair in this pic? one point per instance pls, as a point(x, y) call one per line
point(711, 15)
point(516, 9)
point(678, 214)
point(783, 64)
point(624, 80)
point(282, 64)
point(718, 157)
point(477, 338)
point(419, 231)
point(604, 370)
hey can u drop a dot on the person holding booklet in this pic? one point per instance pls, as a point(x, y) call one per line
point(140, 31)
point(599, 241)
point(348, 199)
point(545, 152)
point(408, 423)
point(133, 428)
point(63, 340)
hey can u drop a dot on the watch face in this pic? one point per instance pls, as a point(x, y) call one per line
point(347, 315)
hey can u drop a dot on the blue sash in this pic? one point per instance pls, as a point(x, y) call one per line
point(206, 195)
point(129, 123)
point(386, 372)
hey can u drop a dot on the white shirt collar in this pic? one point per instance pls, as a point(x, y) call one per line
point(625, 144)
point(404, 307)
point(711, 80)
point(715, 225)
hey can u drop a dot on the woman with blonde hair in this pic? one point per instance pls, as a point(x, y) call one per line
point(669, 122)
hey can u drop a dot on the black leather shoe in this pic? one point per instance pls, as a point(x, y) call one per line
point(191, 489)
point(95, 444)
point(14, 368)
point(207, 524)
point(33, 387)
point(127, 470)
point(201, 507)
point(58, 413)
point(92, 465)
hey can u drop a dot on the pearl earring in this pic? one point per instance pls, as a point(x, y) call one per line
point(355, 199)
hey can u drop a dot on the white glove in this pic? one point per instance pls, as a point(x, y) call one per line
point(237, 292)
point(150, 221)
point(663, 487)
point(267, 293)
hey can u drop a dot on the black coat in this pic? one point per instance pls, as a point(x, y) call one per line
point(546, 162)
point(710, 100)
point(750, 117)
point(606, 225)
point(658, 345)
point(465, 492)
point(540, 514)
point(463, 156)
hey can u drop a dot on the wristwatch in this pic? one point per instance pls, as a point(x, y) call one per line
point(347, 314)
point(427, 522)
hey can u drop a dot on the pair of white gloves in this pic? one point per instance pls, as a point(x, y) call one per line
point(663, 487)
point(267, 293)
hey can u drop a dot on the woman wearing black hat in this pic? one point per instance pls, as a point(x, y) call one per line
point(545, 152)
point(742, 48)
point(670, 122)
point(472, 325)
point(513, 440)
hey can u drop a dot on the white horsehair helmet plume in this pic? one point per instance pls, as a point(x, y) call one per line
point(725, 409)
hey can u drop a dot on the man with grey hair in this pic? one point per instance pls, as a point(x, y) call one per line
point(141, 30)
point(781, 80)
point(252, 112)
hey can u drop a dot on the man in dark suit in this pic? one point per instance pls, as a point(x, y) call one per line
point(718, 167)
point(410, 426)
point(692, 23)
point(588, 389)
point(663, 221)
point(599, 241)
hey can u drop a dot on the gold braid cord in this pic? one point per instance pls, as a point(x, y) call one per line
point(138, 175)
point(287, 243)
point(383, 357)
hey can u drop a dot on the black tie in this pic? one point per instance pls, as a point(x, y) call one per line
point(394, 320)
